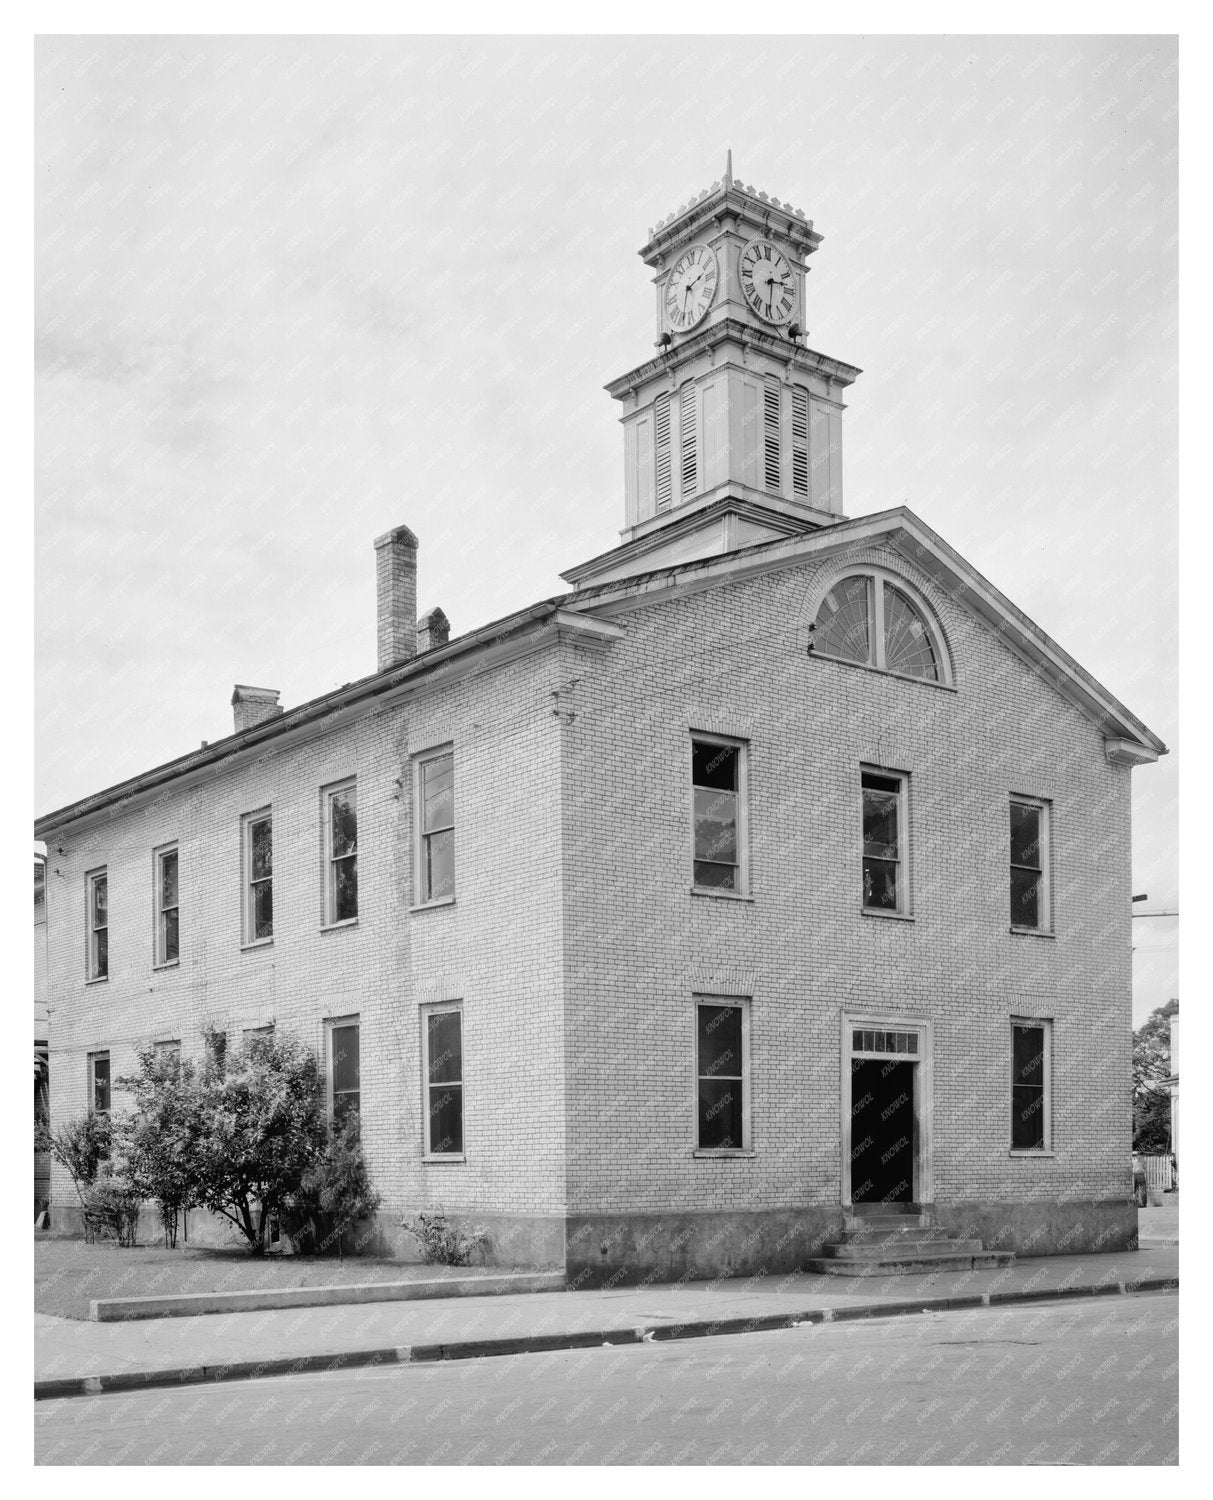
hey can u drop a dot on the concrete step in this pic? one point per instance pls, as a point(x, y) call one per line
point(916, 1250)
point(908, 1235)
point(911, 1265)
point(855, 1222)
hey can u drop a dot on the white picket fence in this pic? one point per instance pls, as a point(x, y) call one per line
point(1158, 1172)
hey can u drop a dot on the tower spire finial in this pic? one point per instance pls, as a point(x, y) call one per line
point(728, 168)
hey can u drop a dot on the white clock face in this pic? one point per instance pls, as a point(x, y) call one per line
point(767, 283)
point(690, 288)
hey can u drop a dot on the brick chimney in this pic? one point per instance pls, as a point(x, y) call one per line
point(433, 629)
point(396, 597)
point(253, 705)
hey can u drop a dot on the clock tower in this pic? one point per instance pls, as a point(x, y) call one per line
point(733, 429)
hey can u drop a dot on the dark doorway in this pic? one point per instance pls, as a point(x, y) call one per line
point(882, 1131)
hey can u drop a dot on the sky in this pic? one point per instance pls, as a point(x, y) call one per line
point(291, 292)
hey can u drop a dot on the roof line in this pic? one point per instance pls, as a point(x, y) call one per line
point(350, 693)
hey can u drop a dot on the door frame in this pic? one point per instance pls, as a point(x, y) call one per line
point(924, 1093)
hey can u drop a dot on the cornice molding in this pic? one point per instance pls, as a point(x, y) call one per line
point(708, 338)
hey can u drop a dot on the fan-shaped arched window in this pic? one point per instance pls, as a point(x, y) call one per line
point(867, 618)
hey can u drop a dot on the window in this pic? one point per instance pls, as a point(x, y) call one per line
point(167, 931)
point(1031, 1125)
point(259, 877)
point(98, 925)
point(718, 772)
point(216, 1051)
point(341, 854)
point(99, 1082)
point(250, 1037)
point(661, 420)
point(800, 443)
point(436, 827)
point(444, 1082)
point(1030, 864)
point(867, 618)
point(167, 1055)
point(770, 433)
point(686, 420)
point(345, 1093)
point(884, 841)
point(721, 1043)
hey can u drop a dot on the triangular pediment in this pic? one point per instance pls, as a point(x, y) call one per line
point(1126, 739)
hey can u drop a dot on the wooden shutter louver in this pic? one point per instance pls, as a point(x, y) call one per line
point(661, 443)
point(770, 433)
point(689, 447)
point(800, 444)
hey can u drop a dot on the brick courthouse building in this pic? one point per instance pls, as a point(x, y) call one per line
point(779, 868)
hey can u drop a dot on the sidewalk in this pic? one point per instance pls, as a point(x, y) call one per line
point(76, 1358)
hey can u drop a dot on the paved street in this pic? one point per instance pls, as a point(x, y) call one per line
point(1072, 1382)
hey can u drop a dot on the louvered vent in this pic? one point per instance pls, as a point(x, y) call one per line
point(800, 443)
point(686, 412)
point(770, 433)
point(661, 414)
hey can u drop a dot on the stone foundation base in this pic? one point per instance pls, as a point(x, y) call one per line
point(606, 1250)
point(533, 1242)
point(626, 1249)
point(1045, 1226)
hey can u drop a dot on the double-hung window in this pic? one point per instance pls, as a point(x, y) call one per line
point(167, 907)
point(345, 1086)
point(341, 854)
point(723, 1106)
point(444, 1081)
point(885, 882)
point(98, 962)
point(1030, 864)
point(718, 788)
point(258, 877)
point(435, 806)
point(99, 1082)
point(1031, 1065)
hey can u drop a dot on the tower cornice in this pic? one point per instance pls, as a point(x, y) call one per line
point(795, 356)
point(727, 198)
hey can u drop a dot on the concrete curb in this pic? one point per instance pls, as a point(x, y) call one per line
point(135, 1380)
point(270, 1299)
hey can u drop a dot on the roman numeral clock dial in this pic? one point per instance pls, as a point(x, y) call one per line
point(766, 281)
point(690, 288)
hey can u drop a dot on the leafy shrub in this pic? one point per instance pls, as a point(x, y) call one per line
point(335, 1194)
point(444, 1244)
point(159, 1145)
point(260, 1125)
point(81, 1147)
point(111, 1206)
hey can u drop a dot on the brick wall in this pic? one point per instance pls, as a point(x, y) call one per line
point(578, 971)
point(732, 661)
point(497, 948)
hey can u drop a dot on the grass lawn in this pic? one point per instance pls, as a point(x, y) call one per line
point(68, 1274)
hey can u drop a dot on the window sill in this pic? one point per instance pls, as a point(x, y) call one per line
point(719, 895)
point(339, 926)
point(886, 916)
point(431, 905)
point(436, 1158)
point(867, 666)
point(257, 943)
point(173, 963)
point(98, 979)
point(748, 1154)
point(1036, 932)
point(1031, 1151)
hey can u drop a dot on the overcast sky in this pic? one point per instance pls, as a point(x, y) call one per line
point(293, 292)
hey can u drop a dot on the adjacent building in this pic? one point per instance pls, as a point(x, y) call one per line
point(781, 865)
